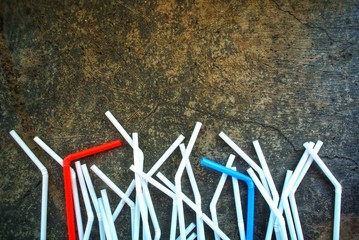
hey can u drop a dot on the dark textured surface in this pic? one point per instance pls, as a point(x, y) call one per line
point(280, 72)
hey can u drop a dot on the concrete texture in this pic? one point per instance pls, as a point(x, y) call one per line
point(280, 72)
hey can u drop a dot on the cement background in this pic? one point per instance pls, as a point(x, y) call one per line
point(282, 72)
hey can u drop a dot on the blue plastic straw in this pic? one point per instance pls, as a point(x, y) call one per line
point(251, 190)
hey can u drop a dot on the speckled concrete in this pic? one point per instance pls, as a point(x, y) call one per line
point(280, 72)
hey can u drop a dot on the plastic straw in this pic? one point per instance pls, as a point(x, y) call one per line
point(251, 191)
point(104, 217)
point(59, 160)
point(271, 184)
point(194, 207)
point(139, 194)
point(107, 209)
point(270, 202)
point(188, 230)
point(118, 191)
point(45, 181)
point(246, 158)
point(238, 203)
point(298, 180)
point(197, 195)
point(85, 196)
point(93, 196)
point(217, 193)
point(337, 186)
point(172, 195)
point(178, 177)
point(67, 179)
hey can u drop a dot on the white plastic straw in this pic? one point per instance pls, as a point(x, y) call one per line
point(107, 209)
point(196, 193)
point(337, 186)
point(194, 207)
point(104, 218)
point(75, 194)
point(45, 181)
point(117, 190)
point(178, 177)
point(271, 184)
point(85, 196)
point(93, 196)
point(291, 196)
point(188, 230)
point(238, 203)
point(217, 193)
point(171, 194)
point(270, 202)
point(141, 201)
point(173, 220)
point(246, 158)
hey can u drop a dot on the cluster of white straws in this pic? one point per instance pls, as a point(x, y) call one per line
point(143, 210)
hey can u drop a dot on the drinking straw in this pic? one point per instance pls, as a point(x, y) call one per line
point(337, 186)
point(178, 177)
point(188, 230)
point(93, 196)
point(246, 158)
point(173, 220)
point(217, 193)
point(172, 195)
point(192, 205)
point(118, 191)
point(238, 203)
point(85, 196)
point(251, 191)
point(288, 215)
point(59, 160)
point(141, 201)
point(283, 203)
point(45, 181)
point(131, 187)
point(104, 217)
point(270, 202)
point(196, 193)
point(107, 209)
point(67, 179)
point(293, 204)
point(271, 184)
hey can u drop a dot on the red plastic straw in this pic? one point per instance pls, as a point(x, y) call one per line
point(67, 180)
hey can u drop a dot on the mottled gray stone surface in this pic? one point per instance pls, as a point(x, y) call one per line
point(280, 72)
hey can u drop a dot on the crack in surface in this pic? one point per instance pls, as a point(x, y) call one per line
point(309, 25)
point(238, 120)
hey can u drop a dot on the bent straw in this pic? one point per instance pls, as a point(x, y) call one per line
point(270, 202)
point(107, 209)
point(93, 196)
point(67, 179)
point(104, 217)
point(117, 190)
point(196, 193)
point(217, 193)
point(85, 196)
point(246, 158)
point(337, 186)
point(178, 177)
point(59, 160)
point(151, 172)
point(239, 212)
point(45, 181)
point(139, 195)
point(293, 204)
point(192, 205)
point(271, 184)
point(251, 191)
point(173, 196)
